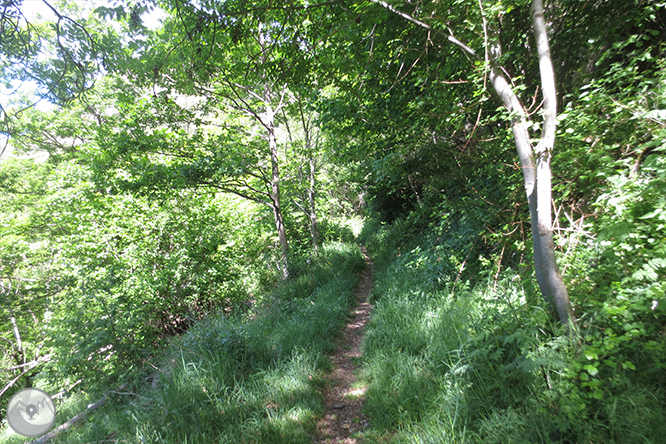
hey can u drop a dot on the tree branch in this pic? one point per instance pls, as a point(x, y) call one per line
point(239, 193)
point(13, 381)
point(27, 364)
point(284, 8)
point(424, 25)
point(547, 72)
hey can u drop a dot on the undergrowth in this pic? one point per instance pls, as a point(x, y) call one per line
point(250, 378)
point(453, 357)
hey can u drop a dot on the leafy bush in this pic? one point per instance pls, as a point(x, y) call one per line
point(248, 377)
point(617, 278)
point(112, 274)
point(479, 362)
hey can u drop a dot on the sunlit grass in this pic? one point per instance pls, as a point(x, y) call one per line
point(253, 378)
point(476, 362)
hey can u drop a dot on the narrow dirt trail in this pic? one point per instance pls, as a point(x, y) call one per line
point(342, 399)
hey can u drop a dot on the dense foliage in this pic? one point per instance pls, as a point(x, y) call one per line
point(458, 355)
point(176, 206)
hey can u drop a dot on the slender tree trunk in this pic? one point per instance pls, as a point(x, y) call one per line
point(275, 191)
point(557, 291)
point(537, 175)
point(314, 231)
point(312, 163)
point(536, 172)
point(269, 123)
point(309, 137)
point(520, 128)
point(537, 181)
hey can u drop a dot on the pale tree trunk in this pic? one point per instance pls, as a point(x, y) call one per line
point(554, 289)
point(309, 209)
point(314, 231)
point(275, 190)
point(312, 163)
point(535, 164)
point(310, 139)
point(269, 123)
point(270, 197)
point(536, 173)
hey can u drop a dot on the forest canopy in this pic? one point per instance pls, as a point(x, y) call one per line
point(166, 164)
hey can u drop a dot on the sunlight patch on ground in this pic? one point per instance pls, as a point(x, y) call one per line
point(355, 224)
point(357, 392)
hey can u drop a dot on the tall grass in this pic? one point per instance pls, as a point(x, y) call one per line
point(252, 378)
point(476, 361)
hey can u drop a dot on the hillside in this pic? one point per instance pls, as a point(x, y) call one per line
point(188, 189)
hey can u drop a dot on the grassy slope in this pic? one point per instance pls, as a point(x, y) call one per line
point(450, 357)
point(250, 379)
point(479, 361)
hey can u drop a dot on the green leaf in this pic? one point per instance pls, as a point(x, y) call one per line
point(628, 365)
point(591, 369)
point(591, 354)
point(652, 214)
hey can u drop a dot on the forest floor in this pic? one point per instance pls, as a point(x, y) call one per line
point(343, 397)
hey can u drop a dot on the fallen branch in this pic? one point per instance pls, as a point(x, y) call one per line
point(91, 407)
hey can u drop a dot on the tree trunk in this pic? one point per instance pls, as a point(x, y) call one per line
point(314, 231)
point(554, 290)
point(269, 123)
point(536, 174)
point(275, 191)
point(312, 163)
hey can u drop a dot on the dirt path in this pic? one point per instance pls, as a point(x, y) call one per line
point(342, 399)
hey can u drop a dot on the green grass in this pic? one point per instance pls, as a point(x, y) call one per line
point(253, 378)
point(449, 357)
point(481, 363)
